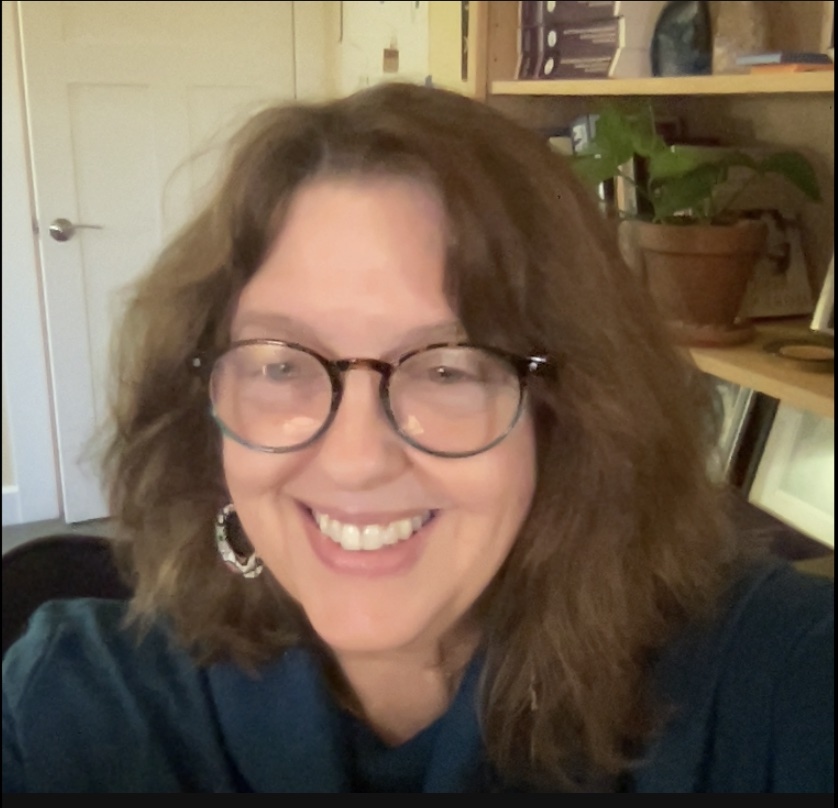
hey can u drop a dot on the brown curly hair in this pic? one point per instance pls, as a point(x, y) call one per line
point(626, 538)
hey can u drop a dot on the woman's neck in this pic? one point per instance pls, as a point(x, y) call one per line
point(403, 692)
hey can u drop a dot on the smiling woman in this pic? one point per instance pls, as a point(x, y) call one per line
point(402, 514)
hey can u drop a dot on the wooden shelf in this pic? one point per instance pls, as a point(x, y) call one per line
point(748, 365)
point(817, 82)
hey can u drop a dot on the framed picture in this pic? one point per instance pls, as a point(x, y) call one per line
point(823, 320)
point(779, 285)
point(828, 28)
point(795, 478)
point(734, 404)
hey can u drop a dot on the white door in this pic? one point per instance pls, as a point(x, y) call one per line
point(119, 96)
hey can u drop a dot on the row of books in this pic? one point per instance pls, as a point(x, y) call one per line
point(567, 40)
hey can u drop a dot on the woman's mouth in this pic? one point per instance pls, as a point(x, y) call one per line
point(354, 537)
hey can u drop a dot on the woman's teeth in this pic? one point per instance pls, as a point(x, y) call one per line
point(369, 537)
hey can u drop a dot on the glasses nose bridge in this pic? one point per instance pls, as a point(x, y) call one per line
point(385, 369)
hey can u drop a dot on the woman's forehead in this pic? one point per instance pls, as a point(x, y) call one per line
point(355, 260)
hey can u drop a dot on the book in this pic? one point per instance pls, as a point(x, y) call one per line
point(790, 67)
point(600, 48)
point(555, 66)
point(624, 63)
point(585, 49)
point(783, 57)
point(539, 12)
point(560, 141)
point(595, 37)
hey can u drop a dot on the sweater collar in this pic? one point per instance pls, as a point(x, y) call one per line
point(285, 733)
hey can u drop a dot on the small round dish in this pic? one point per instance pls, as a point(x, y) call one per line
point(805, 354)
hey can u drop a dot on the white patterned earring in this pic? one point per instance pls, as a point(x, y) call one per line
point(247, 566)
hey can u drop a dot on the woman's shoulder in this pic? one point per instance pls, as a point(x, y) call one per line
point(769, 611)
point(126, 710)
point(752, 690)
point(89, 633)
point(777, 591)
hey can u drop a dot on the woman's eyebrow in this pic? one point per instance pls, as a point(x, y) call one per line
point(278, 325)
point(425, 335)
point(273, 324)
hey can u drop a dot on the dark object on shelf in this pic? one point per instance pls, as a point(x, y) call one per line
point(52, 567)
point(682, 44)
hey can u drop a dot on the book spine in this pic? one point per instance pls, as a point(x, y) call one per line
point(600, 38)
point(582, 131)
point(555, 67)
point(533, 12)
point(791, 67)
point(539, 12)
point(783, 57)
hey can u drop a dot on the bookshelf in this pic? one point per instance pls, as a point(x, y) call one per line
point(791, 109)
point(750, 366)
point(820, 82)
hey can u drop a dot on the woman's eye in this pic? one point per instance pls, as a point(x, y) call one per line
point(448, 375)
point(278, 371)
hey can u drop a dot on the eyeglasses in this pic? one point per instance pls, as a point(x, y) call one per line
point(446, 399)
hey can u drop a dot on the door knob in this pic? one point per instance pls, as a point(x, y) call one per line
point(64, 229)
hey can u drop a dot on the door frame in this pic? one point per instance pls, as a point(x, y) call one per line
point(34, 494)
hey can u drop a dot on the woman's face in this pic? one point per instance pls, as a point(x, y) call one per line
point(357, 271)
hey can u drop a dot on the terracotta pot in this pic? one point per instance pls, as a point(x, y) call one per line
point(698, 276)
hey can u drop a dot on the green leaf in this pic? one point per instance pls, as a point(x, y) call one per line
point(738, 159)
point(594, 169)
point(692, 192)
point(672, 163)
point(614, 139)
point(681, 178)
point(795, 168)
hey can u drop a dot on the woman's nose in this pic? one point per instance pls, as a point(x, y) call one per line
point(360, 448)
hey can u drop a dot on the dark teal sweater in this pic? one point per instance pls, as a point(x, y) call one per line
point(86, 709)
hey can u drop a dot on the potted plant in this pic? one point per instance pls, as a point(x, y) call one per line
point(698, 251)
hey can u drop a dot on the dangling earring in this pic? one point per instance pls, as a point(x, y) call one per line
point(249, 566)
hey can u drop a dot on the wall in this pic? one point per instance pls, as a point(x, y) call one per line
point(316, 25)
point(365, 29)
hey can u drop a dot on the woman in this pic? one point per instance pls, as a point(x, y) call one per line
point(457, 481)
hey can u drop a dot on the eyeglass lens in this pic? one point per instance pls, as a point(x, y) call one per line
point(452, 399)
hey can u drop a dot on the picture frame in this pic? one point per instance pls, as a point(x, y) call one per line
point(828, 28)
point(823, 320)
point(795, 477)
point(735, 404)
point(779, 284)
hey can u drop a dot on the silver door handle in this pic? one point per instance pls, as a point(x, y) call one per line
point(64, 229)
